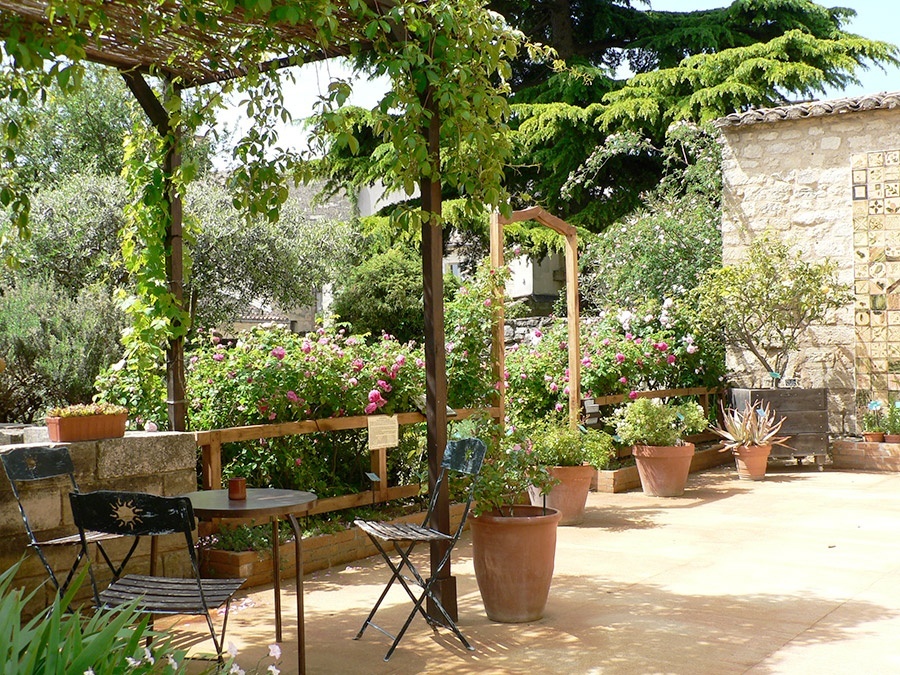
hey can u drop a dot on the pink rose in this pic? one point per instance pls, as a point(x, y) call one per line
point(372, 407)
point(670, 359)
point(278, 352)
point(292, 396)
point(623, 380)
point(620, 357)
point(218, 356)
point(632, 395)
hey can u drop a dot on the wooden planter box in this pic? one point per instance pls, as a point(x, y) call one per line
point(86, 428)
point(806, 413)
point(621, 480)
point(863, 456)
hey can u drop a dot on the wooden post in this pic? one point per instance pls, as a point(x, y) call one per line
point(211, 464)
point(498, 333)
point(436, 356)
point(378, 462)
point(574, 323)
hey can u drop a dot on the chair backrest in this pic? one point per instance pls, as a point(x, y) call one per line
point(34, 463)
point(464, 455)
point(132, 513)
point(28, 463)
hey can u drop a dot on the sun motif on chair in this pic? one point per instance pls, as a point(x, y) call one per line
point(126, 514)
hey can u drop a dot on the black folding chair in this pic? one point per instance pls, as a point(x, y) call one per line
point(30, 464)
point(463, 457)
point(136, 514)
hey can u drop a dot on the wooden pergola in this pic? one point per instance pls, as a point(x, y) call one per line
point(539, 215)
point(211, 53)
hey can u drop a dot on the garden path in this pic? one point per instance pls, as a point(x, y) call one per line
point(796, 574)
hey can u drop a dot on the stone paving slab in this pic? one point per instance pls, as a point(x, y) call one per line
point(799, 573)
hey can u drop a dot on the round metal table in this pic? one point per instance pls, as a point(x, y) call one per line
point(273, 504)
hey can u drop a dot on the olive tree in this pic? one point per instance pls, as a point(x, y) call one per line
point(766, 302)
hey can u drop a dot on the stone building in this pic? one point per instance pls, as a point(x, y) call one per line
point(826, 176)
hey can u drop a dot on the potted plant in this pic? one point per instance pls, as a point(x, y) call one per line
point(572, 456)
point(654, 429)
point(873, 422)
point(513, 543)
point(750, 434)
point(86, 422)
point(892, 423)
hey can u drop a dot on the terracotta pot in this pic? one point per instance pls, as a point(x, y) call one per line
point(873, 436)
point(514, 558)
point(892, 438)
point(663, 469)
point(751, 461)
point(569, 496)
point(86, 428)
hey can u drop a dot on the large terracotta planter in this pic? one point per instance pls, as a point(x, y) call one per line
point(569, 495)
point(86, 428)
point(892, 438)
point(873, 436)
point(751, 461)
point(663, 469)
point(514, 558)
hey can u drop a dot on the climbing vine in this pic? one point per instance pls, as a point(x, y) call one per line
point(448, 56)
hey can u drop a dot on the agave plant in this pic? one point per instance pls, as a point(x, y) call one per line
point(754, 425)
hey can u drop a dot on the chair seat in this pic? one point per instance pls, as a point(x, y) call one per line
point(70, 539)
point(166, 595)
point(401, 531)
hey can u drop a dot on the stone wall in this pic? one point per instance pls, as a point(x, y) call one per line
point(159, 463)
point(806, 178)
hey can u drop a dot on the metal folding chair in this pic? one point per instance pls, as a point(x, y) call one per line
point(463, 457)
point(136, 514)
point(28, 465)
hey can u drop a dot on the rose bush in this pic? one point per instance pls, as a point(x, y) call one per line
point(623, 350)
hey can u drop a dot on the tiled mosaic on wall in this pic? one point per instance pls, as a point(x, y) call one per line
point(876, 245)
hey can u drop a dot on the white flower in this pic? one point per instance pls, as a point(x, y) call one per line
point(89, 671)
point(667, 303)
point(232, 650)
point(275, 651)
point(149, 656)
point(236, 670)
point(134, 663)
point(272, 669)
point(150, 426)
point(172, 662)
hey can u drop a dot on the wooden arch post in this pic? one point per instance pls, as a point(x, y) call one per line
point(539, 215)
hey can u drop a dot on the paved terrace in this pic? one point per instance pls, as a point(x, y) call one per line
point(796, 574)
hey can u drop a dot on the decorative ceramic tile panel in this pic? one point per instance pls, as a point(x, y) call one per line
point(875, 191)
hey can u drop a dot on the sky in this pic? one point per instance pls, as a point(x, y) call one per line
point(876, 19)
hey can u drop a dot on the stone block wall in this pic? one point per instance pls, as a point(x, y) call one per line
point(803, 178)
point(159, 463)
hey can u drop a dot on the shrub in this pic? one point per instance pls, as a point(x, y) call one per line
point(652, 347)
point(54, 346)
point(384, 295)
point(652, 422)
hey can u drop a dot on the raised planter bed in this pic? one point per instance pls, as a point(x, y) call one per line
point(627, 478)
point(319, 552)
point(863, 456)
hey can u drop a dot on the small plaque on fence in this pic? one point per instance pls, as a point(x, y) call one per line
point(384, 431)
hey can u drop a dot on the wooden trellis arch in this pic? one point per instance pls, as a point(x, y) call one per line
point(539, 215)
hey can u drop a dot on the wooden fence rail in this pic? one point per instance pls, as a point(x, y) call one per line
point(210, 444)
